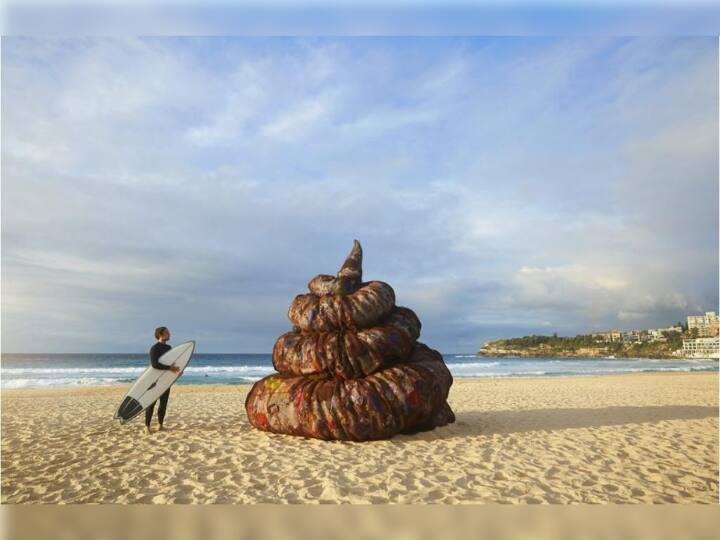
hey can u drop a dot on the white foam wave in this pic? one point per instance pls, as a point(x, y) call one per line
point(37, 383)
point(131, 370)
point(229, 369)
point(70, 371)
point(502, 375)
point(472, 365)
point(525, 373)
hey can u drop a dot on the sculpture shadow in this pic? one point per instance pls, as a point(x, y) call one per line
point(488, 423)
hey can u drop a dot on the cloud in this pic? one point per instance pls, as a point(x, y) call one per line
point(502, 186)
point(298, 120)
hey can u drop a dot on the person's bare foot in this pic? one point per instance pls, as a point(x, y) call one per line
point(160, 427)
point(147, 430)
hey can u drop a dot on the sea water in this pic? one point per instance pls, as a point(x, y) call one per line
point(73, 370)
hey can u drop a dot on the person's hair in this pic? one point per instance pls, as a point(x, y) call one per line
point(160, 331)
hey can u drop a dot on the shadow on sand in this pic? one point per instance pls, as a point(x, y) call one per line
point(475, 423)
point(488, 423)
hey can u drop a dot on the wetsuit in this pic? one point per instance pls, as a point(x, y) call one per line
point(156, 351)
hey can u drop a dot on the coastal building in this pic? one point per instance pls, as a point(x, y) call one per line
point(658, 334)
point(612, 335)
point(659, 331)
point(635, 336)
point(706, 325)
point(630, 337)
point(705, 347)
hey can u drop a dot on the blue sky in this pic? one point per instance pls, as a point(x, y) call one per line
point(371, 17)
point(502, 186)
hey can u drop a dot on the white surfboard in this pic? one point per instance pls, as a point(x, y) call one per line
point(153, 382)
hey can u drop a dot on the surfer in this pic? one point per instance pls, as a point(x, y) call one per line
point(162, 334)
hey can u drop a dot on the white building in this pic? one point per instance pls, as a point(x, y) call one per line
point(707, 325)
point(656, 334)
point(630, 337)
point(676, 329)
point(706, 347)
point(612, 335)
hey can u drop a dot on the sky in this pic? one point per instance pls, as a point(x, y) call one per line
point(502, 186)
point(352, 17)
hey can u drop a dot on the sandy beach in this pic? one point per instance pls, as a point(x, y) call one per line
point(643, 438)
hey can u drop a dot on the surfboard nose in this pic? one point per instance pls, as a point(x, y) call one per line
point(129, 408)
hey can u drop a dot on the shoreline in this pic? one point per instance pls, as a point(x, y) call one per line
point(521, 356)
point(75, 374)
point(16, 392)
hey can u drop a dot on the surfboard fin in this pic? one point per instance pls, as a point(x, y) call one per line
point(129, 409)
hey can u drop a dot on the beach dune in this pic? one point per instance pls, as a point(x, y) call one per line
point(646, 438)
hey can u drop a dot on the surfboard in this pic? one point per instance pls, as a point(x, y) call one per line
point(153, 382)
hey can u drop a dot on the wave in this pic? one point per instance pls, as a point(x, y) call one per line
point(82, 381)
point(229, 369)
point(98, 376)
point(682, 369)
point(60, 371)
point(19, 376)
point(8, 384)
point(130, 370)
point(503, 375)
point(472, 364)
point(546, 373)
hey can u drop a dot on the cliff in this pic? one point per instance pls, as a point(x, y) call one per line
point(580, 346)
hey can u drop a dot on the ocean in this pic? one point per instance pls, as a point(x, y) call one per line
point(74, 370)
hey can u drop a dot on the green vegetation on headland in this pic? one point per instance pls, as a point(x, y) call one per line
point(583, 346)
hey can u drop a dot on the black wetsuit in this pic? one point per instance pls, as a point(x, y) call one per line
point(156, 351)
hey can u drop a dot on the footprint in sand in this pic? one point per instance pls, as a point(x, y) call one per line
point(518, 490)
point(552, 472)
point(435, 495)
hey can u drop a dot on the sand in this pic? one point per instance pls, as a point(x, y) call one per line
point(641, 438)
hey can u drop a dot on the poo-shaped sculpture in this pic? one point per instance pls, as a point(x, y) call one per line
point(351, 368)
